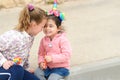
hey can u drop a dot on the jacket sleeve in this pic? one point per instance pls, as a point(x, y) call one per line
point(2, 59)
point(65, 54)
point(41, 52)
point(3, 46)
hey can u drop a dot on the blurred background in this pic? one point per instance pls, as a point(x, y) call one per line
point(92, 26)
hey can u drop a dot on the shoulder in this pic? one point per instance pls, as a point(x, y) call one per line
point(43, 39)
point(63, 36)
point(8, 37)
point(12, 35)
point(8, 34)
point(64, 42)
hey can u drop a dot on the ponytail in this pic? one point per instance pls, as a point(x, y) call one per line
point(28, 14)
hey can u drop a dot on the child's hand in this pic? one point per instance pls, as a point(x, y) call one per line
point(31, 70)
point(48, 58)
point(8, 64)
point(42, 65)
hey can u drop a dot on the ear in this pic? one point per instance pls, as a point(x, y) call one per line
point(59, 28)
point(33, 24)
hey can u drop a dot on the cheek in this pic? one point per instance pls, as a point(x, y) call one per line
point(40, 28)
point(44, 30)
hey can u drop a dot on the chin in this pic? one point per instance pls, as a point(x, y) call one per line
point(35, 34)
point(47, 34)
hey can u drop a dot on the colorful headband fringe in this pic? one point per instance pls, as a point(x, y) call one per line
point(30, 7)
point(55, 12)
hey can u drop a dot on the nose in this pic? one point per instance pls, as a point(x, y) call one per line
point(47, 27)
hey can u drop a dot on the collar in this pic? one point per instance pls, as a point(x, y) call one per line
point(56, 36)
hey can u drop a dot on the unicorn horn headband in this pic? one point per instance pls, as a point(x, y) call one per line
point(55, 12)
point(55, 5)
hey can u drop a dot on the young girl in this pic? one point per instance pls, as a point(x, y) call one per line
point(15, 45)
point(54, 52)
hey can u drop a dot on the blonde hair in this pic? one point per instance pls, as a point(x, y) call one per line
point(26, 16)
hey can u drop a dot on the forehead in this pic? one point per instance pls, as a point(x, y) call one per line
point(43, 21)
point(50, 21)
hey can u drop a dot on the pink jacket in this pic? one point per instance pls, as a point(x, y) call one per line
point(59, 48)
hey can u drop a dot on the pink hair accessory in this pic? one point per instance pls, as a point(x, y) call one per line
point(55, 1)
point(54, 12)
point(30, 7)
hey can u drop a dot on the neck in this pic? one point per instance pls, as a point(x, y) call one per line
point(29, 32)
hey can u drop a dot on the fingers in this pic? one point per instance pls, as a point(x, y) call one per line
point(48, 58)
point(43, 66)
point(8, 64)
point(31, 70)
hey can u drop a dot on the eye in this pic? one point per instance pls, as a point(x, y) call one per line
point(50, 25)
point(45, 26)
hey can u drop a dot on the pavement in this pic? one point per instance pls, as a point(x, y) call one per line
point(93, 28)
point(101, 70)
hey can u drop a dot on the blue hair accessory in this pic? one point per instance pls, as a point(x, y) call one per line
point(62, 16)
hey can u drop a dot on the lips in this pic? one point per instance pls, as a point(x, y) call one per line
point(47, 32)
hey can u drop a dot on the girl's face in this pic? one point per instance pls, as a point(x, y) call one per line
point(36, 28)
point(50, 29)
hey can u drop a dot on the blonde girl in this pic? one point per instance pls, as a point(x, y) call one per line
point(15, 45)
